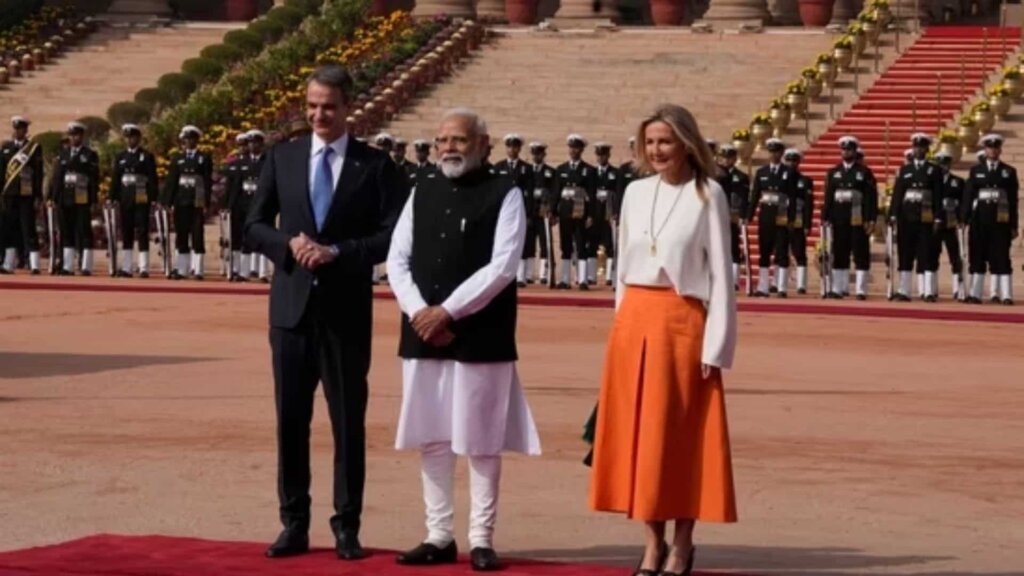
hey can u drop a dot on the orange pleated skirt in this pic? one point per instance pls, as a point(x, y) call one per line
point(661, 450)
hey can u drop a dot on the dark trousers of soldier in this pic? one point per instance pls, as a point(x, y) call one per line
point(734, 241)
point(20, 223)
point(134, 226)
point(913, 244)
point(237, 226)
point(76, 226)
point(949, 238)
point(602, 236)
point(988, 249)
point(847, 239)
point(571, 234)
point(534, 236)
point(772, 239)
point(798, 246)
point(188, 225)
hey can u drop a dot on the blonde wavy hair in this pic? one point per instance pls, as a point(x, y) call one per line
point(698, 154)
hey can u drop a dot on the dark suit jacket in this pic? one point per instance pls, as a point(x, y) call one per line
point(367, 201)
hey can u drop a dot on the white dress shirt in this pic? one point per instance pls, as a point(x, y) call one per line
point(693, 255)
point(340, 146)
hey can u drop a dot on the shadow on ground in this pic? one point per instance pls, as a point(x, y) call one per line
point(15, 365)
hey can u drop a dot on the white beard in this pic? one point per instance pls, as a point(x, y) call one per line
point(455, 167)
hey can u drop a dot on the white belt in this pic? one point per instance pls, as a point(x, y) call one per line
point(844, 196)
point(538, 193)
point(249, 186)
point(770, 198)
point(989, 194)
point(602, 195)
point(914, 196)
point(128, 180)
point(187, 181)
point(568, 193)
point(70, 178)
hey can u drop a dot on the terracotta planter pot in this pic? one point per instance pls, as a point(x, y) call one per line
point(28, 63)
point(240, 10)
point(668, 12)
point(521, 12)
point(815, 13)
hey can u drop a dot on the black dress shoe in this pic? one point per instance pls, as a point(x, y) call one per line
point(561, 286)
point(143, 274)
point(85, 273)
point(931, 298)
point(35, 271)
point(801, 291)
point(347, 546)
point(427, 554)
point(1007, 302)
point(484, 560)
point(198, 277)
point(291, 542)
point(520, 284)
point(862, 297)
point(973, 300)
point(584, 286)
point(781, 295)
point(994, 299)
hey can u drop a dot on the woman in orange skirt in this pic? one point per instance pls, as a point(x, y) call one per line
point(661, 451)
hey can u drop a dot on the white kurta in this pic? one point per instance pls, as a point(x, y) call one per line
point(479, 408)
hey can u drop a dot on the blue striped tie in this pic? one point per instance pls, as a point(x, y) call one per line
point(323, 188)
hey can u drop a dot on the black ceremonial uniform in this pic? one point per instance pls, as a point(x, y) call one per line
point(75, 188)
point(989, 207)
point(605, 208)
point(916, 200)
point(576, 186)
point(134, 188)
point(542, 202)
point(851, 205)
point(803, 213)
point(240, 195)
point(415, 170)
point(627, 173)
point(736, 185)
point(774, 192)
point(188, 188)
point(19, 200)
point(952, 195)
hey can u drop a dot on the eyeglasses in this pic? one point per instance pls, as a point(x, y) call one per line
point(458, 141)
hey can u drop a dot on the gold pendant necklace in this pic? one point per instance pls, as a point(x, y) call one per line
point(654, 207)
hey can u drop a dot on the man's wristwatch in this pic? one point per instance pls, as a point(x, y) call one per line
point(334, 250)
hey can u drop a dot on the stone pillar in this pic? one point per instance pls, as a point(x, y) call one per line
point(725, 11)
point(491, 11)
point(453, 8)
point(585, 9)
point(844, 11)
point(140, 7)
point(785, 12)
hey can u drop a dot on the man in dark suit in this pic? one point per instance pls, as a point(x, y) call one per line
point(338, 201)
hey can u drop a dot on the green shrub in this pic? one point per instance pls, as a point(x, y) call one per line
point(121, 113)
point(178, 86)
point(289, 17)
point(203, 69)
point(269, 30)
point(307, 7)
point(96, 128)
point(153, 99)
point(49, 142)
point(222, 53)
point(249, 43)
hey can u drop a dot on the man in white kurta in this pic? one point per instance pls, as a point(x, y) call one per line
point(452, 266)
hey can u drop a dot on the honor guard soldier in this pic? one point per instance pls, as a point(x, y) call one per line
point(385, 141)
point(989, 208)
point(423, 165)
point(188, 188)
point(774, 199)
point(604, 214)
point(993, 285)
point(134, 188)
point(949, 228)
point(240, 195)
point(398, 154)
point(259, 265)
point(916, 202)
point(802, 214)
point(231, 185)
point(908, 155)
point(577, 192)
point(21, 166)
point(627, 173)
point(541, 220)
point(850, 208)
point(76, 190)
point(516, 170)
point(736, 185)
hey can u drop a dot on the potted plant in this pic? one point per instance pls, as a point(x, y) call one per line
point(983, 117)
point(741, 139)
point(812, 81)
point(826, 66)
point(842, 52)
point(796, 97)
point(779, 114)
point(949, 143)
point(1012, 82)
point(872, 29)
point(999, 99)
point(760, 128)
point(815, 13)
point(881, 11)
point(860, 41)
point(967, 133)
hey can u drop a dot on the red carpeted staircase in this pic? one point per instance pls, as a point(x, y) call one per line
point(961, 57)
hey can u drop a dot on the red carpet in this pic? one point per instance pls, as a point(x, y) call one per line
point(109, 555)
point(803, 305)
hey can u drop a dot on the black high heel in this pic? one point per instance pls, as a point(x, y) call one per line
point(689, 565)
point(662, 556)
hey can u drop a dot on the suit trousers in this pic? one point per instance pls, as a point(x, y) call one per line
point(320, 351)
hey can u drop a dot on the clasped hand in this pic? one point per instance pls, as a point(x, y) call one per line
point(309, 253)
point(431, 325)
